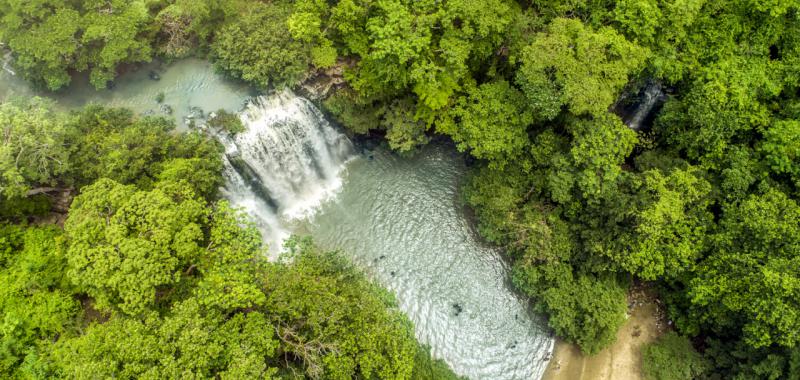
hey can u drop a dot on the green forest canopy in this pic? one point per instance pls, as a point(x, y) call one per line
point(704, 204)
point(154, 276)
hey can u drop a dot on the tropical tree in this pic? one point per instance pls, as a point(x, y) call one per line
point(749, 283)
point(34, 149)
point(572, 65)
point(257, 47)
point(490, 122)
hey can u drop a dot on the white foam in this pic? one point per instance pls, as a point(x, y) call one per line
point(293, 157)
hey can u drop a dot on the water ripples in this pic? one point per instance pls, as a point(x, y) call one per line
point(401, 220)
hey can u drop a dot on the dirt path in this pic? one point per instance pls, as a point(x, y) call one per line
point(620, 361)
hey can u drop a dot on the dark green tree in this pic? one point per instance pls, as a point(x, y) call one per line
point(572, 65)
point(257, 47)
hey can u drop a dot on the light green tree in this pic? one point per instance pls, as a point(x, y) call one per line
point(34, 149)
point(125, 244)
point(667, 224)
point(572, 65)
point(749, 281)
point(36, 299)
point(190, 341)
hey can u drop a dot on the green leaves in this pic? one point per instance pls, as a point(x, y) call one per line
point(338, 324)
point(114, 29)
point(724, 106)
point(403, 130)
point(189, 342)
point(584, 309)
point(50, 38)
point(232, 263)
point(781, 148)
point(669, 225)
point(572, 65)
point(185, 25)
point(36, 300)
point(111, 143)
point(599, 147)
point(422, 46)
point(125, 244)
point(34, 148)
point(258, 47)
point(750, 282)
point(45, 52)
point(490, 122)
point(672, 357)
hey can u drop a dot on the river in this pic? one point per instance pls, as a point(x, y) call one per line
point(400, 219)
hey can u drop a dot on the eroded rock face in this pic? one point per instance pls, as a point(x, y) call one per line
point(318, 83)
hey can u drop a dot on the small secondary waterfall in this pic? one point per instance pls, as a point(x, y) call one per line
point(651, 97)
point(285, 164)
point(7, 59)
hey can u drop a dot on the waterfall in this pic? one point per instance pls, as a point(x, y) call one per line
point(651, 97)
point(285, 164)
point(7, 58)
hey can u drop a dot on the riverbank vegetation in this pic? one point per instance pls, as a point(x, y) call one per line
point(152, 275)
point(703, 202)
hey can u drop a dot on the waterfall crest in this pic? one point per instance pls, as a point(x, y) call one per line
point(285, 164)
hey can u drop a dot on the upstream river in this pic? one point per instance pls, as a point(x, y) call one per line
point(400, 219)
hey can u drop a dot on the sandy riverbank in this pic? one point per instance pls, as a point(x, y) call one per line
point(620, 361)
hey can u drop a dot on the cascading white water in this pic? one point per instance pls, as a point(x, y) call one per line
point(7, 60)
point(652, 95)
point(398, 218)
point(285, 164)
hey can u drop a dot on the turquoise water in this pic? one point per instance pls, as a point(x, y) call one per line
point(187, 85)
point(400, 219)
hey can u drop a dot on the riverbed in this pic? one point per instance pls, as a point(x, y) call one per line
point(400, 219)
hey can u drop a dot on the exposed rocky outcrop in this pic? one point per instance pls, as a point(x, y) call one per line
point(318, 83)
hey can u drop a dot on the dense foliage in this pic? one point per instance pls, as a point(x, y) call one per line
point(672, 357)
point(153, 277)
point(52, 37)
point(704, 204)
point(255, 47)
point(43, 149)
